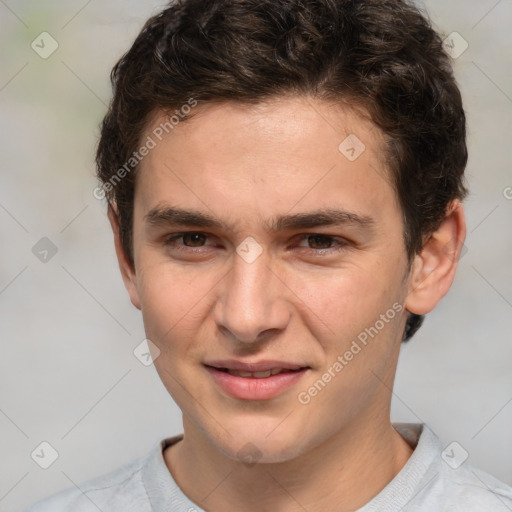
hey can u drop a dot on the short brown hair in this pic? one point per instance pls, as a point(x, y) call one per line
point(382, 55)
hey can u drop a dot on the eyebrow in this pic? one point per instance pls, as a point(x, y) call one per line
point(168, 215)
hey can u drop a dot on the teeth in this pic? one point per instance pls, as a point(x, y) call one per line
point(257, 375)
point(240, 374)
point(260, 375)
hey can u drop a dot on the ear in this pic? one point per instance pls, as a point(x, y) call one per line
point(433, 269)
point(126, 267)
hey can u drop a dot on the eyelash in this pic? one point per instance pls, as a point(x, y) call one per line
point(341, 242)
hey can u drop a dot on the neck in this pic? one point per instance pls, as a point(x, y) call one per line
point(343, 473)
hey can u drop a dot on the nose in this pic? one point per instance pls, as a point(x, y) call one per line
point(252, 303)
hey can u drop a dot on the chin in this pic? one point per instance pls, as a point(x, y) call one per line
point(262, 442)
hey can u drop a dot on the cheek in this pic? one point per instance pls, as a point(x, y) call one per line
point(170, 308)
point(171, 301)
point(342, 304)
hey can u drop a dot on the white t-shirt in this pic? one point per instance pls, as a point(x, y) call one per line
point(431, 480)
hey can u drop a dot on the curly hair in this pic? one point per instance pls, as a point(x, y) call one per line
point(381, 55)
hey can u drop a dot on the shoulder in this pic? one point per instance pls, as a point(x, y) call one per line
point(440, 479)
point(473, 489)
point(119, 490)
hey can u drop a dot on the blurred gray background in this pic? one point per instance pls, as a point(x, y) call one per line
point(68, 375)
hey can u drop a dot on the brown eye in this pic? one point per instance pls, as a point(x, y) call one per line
point(193, 239)
point(319, 242)
point(189, 242)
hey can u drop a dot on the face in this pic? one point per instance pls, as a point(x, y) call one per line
point(262, 244)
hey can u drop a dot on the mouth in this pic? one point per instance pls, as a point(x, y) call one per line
point(255, 381)
point(256, 375)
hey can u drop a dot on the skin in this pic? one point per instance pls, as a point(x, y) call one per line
point(302, 300)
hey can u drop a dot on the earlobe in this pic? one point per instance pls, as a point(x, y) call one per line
point(433, 269)
point(125, 266)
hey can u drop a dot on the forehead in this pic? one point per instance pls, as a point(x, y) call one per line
point(282, 154)
point(282, 120)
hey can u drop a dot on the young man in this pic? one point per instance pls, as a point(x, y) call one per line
point(284, 181)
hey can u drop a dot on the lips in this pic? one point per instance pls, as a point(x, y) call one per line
point(255, 381)
point(257, 366)
point(256, 375)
